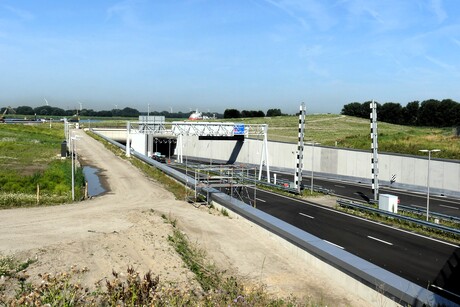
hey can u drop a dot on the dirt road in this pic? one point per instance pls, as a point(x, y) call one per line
point(124, 227)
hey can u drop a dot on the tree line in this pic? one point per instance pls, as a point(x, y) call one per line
point(430, 113)
point(44, 111)
point(234, 113)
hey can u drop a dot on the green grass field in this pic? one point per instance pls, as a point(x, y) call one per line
point(352, 132)
point(30, 156)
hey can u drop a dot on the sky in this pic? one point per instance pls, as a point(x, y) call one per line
point(212, 55)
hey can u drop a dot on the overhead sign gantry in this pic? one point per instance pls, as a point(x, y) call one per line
point(209, 131)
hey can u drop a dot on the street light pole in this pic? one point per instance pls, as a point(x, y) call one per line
point(429, 151)
point(72, 140)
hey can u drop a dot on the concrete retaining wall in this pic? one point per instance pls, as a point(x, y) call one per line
point(330, 162)
point(347, 164)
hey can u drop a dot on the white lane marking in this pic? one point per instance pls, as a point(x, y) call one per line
point(260, 200)
point(363, 219)
point(339, 186)
point(334, 244)
point(380, 240)
point(312, 217)
point(448, 207)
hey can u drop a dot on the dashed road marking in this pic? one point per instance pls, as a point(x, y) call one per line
point(309, 216)
point(388, 243)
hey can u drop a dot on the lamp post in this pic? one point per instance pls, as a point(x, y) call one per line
point(312, 161)
point(429, 151)
point(72, 140)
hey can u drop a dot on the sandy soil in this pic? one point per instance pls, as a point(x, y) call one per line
point(124, 227)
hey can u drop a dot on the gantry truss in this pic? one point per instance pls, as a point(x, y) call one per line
point(234, 180)
point(199, 128)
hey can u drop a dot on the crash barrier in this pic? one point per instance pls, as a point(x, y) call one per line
point(436, 215)
point(350, 204)
point(375, 278)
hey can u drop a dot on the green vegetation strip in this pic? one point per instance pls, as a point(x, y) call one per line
point(32, 172)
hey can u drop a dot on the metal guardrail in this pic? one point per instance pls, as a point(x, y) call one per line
point(350, 204)
point(440, 216)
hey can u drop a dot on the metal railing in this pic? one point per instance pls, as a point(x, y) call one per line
point(350, 204)
point(437, 215)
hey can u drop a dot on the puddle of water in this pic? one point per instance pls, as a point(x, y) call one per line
point(94, 184)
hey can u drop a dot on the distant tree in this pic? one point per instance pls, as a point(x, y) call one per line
point(428, 114)
point(391, 112)
point(87, 112)
point(259, 113)
point(352, 109)
point(57, 111)
point(104, 113)
point(410, 113)
point(43, 110)
point(274, 112)
point(447, 109)
point(25, 110)
point(69, 112)
point(246, 113)
point(456, 114)
point(129, 112)
point(232, 113)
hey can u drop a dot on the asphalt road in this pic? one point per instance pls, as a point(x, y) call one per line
point(416, 258)
point(411, 256)
point(362, 192)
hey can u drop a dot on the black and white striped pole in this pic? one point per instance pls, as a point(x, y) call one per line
point(374, 147)
point(300, 145)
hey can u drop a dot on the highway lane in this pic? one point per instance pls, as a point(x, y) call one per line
point(416, 258)
point(362, 192)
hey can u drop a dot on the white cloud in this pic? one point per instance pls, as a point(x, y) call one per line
point(438, 10)
point(285, 7)
point(311, 54)
point(382, 16)
point(21, 14)
point(126, 12)
point(456, 41)
point(439, 63)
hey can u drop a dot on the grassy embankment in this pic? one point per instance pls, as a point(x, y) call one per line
point(30, 157)
point(352, 132)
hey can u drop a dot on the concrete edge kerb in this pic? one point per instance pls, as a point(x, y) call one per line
point(392, 286)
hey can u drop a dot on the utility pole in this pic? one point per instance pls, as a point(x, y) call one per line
point(299, 160)
point(374, 148)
